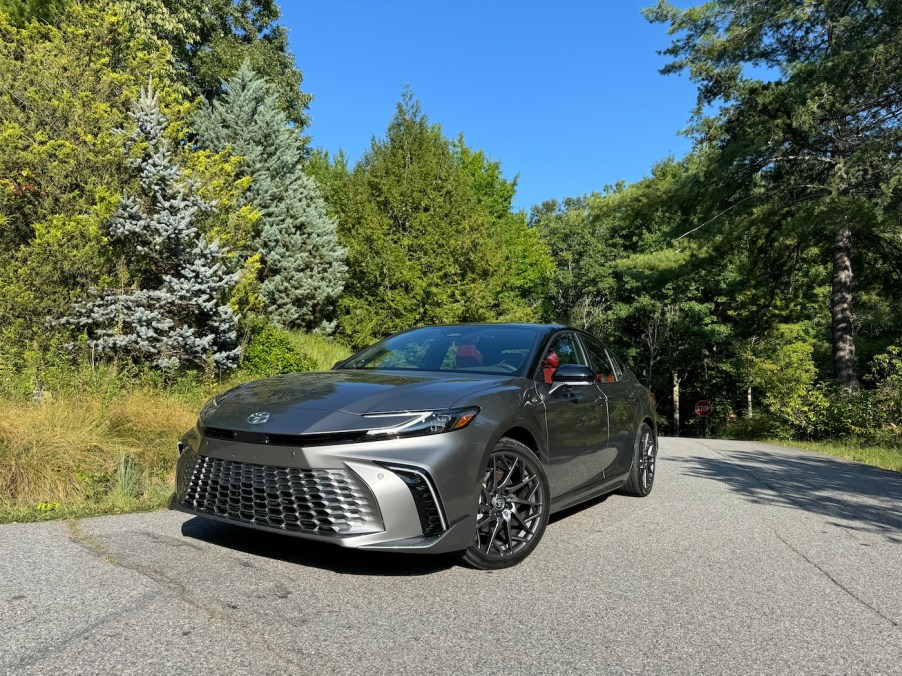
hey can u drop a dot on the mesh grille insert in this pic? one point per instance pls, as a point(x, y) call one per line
point(316, 501)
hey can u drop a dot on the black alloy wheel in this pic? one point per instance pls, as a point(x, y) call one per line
point(512, 509)
point(642, 474)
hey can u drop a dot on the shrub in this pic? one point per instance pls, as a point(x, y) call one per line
point(324, 351)
point(271, 351)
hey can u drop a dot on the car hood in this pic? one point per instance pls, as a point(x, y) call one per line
point(333, 401)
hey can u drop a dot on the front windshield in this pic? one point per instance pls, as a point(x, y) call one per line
point(476, 349)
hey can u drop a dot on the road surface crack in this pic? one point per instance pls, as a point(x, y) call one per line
point(798, 552)
point(173, 586)
point(89, 543)
point(836, 582)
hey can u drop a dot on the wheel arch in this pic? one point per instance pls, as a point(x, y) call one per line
point(525, 437)
point(650, 419)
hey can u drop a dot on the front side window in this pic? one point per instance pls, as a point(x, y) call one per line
point(564, 349)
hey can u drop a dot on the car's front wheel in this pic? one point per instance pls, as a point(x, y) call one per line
point(512, 509)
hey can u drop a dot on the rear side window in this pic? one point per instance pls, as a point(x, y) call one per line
point(618, 367)
point(606, 369)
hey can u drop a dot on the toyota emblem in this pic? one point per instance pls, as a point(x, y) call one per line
point(258, 418)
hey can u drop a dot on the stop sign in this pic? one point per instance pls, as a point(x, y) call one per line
point(703, 408)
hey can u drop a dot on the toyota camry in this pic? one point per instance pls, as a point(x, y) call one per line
point(460, 438)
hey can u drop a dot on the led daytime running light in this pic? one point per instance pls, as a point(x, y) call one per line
point(425, 422)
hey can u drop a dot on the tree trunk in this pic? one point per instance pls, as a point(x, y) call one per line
point(841, 312)
point(749, 396)
point(676, 405)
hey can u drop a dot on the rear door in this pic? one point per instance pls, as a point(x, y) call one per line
point(577, 421)
point(623, 405)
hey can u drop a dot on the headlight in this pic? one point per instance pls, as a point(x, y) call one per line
point(425, 422)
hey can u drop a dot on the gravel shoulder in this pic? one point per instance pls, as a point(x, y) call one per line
point(745, 558)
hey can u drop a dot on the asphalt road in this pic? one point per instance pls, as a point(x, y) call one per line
point(746, 558)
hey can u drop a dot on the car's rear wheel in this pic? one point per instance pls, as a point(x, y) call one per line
point(642, 474)
point(512, 509)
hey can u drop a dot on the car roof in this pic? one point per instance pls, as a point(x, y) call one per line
point(543, 329)
point(530, 325)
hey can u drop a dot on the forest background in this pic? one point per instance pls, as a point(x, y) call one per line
point(168, 230)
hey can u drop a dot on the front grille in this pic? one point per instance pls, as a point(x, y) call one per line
point(326, 439)
point(316, 501)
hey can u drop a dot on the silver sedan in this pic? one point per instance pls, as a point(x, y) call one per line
point(460, 438)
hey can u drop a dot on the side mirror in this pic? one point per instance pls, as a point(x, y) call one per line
point(572, 374)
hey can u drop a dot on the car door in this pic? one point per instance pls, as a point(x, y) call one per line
point(623, 405)
point(576, 418)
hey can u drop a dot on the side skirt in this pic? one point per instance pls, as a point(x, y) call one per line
point(588, 492)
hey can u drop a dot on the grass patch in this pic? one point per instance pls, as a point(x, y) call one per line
point(102, 440)
point(324, 351)
point(89, 454)
point(852, 449)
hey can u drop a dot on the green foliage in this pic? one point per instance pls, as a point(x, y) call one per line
point(64, 95)
point(430, 236)
point(887, 368)
point(272, 351)
point(783, 368)
point(886, 375)
point(211, 39)
point(301, 265)
point(582, 284)
point(523, 253)
point(169, 307)
point(64, 89)
point(807, 160)
point(324, 351)
point(21, 12)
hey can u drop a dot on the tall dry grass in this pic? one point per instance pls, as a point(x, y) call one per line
point(104, 439)
point(86, 453)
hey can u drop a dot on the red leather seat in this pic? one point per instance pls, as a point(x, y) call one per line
point(468, 356)
point(549, 366)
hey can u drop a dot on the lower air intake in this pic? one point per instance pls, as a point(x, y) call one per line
point(315, 501)
point(424, 497)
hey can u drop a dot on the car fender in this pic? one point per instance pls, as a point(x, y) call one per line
point(512, 404)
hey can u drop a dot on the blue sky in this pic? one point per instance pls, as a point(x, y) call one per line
point(567, 94)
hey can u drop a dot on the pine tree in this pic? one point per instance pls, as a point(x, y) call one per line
point(816, 140)
point(303, 264)
point(172, 311)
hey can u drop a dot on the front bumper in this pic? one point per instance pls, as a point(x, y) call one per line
point(363, 495)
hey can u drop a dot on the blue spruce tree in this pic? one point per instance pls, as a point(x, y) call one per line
point(171, 311)
point(303, 268)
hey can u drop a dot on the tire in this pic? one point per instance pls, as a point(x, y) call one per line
point(642, 473)
point(512, 510)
